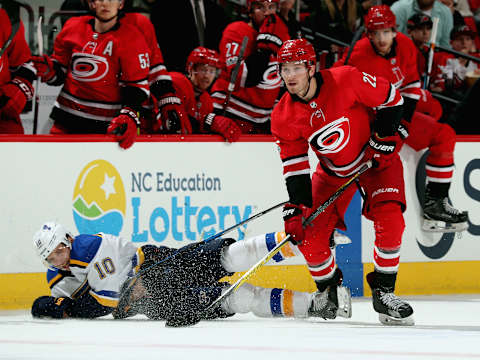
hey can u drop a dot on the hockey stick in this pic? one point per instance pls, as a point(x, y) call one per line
point(133, 279)
point(431, 52)
point(279, 246)
point(15, 27)
point(234, 74)
point(355, 38)
point(36, 97)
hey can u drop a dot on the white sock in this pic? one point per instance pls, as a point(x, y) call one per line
point(243, 254)
point(265, 302)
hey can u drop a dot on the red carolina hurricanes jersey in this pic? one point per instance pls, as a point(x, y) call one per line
point(97, 66)
point(400, 68)
point(158, 71)
point(251, 104)
point(17, 54)
point(197, 108)
point(335, 123)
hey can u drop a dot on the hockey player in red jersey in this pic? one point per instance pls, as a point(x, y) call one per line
point(203, 66)
point(103, 65)
point(332, 113)
point(257, 84)
point(388, 53)
point(16, 72)
point(171, 116)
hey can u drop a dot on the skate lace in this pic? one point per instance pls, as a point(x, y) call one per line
point(391, 300)
point(449, 208)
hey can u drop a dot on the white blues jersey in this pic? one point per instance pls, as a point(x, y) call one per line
point(99, 265)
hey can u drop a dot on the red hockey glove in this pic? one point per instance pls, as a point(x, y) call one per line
point(44, 66)
point(125, 127)
point(223, 126)
point(382, 150)
point(292, 218)
point(272, 33)
point(14, 96)
point(172, 116)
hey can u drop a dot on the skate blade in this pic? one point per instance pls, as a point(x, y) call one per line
point(391, 321)
point(344, 302)
point(442, 226)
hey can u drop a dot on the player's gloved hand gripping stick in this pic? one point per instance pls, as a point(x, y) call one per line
point(279, 246)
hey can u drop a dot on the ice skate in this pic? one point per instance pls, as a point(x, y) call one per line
point(391, 309)
point(333, 302)
point(440, 216)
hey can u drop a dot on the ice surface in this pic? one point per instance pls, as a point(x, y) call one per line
point(447, 327)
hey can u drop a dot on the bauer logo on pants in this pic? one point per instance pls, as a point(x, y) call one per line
point(99, 199)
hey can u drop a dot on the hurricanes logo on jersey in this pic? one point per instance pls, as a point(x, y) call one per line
point(88, 67)
point(332, 137)
point(271, 79)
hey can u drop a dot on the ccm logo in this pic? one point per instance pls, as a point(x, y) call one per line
point(384, 190)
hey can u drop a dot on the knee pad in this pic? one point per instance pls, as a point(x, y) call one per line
point(389, 225)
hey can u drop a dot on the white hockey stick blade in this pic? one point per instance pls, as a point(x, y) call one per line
point(391, 321)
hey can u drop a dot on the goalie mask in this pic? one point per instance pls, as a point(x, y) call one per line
point(50, 235)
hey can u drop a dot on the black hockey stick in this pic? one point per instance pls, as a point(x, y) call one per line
point(279, 246)
point(134, 278)
point(355, 38)
point(15, 27)
point(234, 74)
point(36, 96)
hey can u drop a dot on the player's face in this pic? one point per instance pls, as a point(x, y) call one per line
point(462, 43)
point(262, 9)
point(382, 40)
point(106, 9)
point(203, 75)
point(421, 35)
point(60, 257)
point(296, 77)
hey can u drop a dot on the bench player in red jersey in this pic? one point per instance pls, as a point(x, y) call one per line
point(391, 54)
point(103, 65)
point(332, 113)
point(16, 73)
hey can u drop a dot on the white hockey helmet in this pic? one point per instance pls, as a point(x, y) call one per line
point(50, 235)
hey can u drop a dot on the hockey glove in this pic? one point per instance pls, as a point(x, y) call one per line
point(172, 116)
point(272, 33)
point(292, 218)
point(224, 126)
point(44, 66)
point(403, 129)
point(382, 150)
point(52, 307)
point(125, 127)
point(14, 96)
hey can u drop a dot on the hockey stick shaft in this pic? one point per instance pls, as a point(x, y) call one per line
point(15, 27)
point(141, 272)
point(281, 244)
point(234, 74)
point(257, 215)
point(355, 38)
point(36, 97)
point(431, 52)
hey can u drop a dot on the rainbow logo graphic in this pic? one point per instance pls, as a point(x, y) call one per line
point(99, 199)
